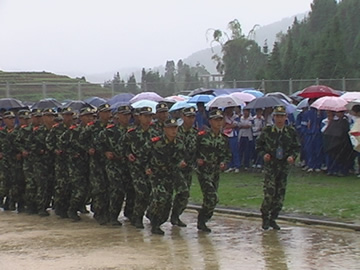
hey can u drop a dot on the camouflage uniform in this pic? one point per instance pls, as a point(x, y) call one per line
point(164, 164)
point(184, 178)
point(97, 175)
point(213, 150)
point(280, 145)
point(133, 143)
point(62, 192)
point(3, 191)
point(106, 142)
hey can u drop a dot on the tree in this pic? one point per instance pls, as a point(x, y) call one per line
point(131, 85)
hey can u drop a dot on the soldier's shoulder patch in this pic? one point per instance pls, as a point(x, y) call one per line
point(1, 128)
point(10, 130)
point(110, 126)
point(55, 125)
point(155, 139)
point(36, 128)
point(131, 130)
point(203, 132)
point(72, 126)
point(90, 123)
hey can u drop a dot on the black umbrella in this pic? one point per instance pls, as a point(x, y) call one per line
point(77, 105)
point(95, 101)
point(11, 103)
point(201, 91)
point(265, 102)
point(46, 103)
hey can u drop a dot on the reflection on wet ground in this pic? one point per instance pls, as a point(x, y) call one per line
point(32, 242)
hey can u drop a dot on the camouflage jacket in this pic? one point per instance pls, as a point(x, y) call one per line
point(9, 147)
point(189, 140)
point(164, 155)
point(89, 134)
point(38, 144)
point(52, 139)
point(24, 137)
point(213, 149)
point(270, 140)
point(69, 141)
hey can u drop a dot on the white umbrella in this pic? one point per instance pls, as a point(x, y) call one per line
point(350, 96)
point(222, 102)
point(242, 97)
point(328, 103)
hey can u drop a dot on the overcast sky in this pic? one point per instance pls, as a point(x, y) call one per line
point(94, 36)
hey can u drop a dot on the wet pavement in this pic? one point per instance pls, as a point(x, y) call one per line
point(32, 242)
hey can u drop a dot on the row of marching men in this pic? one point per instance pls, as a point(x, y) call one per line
point(111, 163)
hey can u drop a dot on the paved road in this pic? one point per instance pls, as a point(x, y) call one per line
point(31, 242)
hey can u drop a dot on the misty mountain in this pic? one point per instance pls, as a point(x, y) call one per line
point(203, 57)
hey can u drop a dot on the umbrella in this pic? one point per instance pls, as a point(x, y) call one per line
point(116, 105)
point(201, 91)
point(279, 95)
point(295, 96)
point(255, 93)
point(336, 104)
point(10, 103)
point(77, 105)
point(174, 99)
point(351, 104)
point(181, 105)
point(303, 104)
point(316, 91)
point(350, 96)
point(146, 96)
point(123, 97)
point(223, 102)
point(265, 102)
point(200, 98)
point(242, 97)
point(95, 101)
point(145, 103)
point(46, 103)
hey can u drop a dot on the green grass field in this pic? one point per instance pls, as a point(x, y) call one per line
point(308, 194)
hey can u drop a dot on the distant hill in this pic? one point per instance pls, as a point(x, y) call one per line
point(33, 86)
point(267, 32)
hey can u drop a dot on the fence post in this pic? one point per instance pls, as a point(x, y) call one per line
point(263, 85)
point(112, 89)
point(343, 84)
point(7, 90)
point(79, 90)
point(234, 83)
point(290, 86)
point(317, 82)
point(44, 89)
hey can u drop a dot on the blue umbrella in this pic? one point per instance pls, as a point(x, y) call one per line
point(123, 97)
point(116, 105)
point(95, 101)
point(255, 93)
point(200, 98)
point(181, 105)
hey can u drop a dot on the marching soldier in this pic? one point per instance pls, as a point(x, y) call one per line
point(162, 114)
point(279, 146)
point(212, 155)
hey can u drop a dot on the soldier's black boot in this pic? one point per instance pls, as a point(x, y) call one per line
point(72, 214)
point(83, 210)
point(138, 222)
point(6, 204)
point(265, 222)
point(1, 201)
point(175, 220)
point(274, 225)
point(155, 227)
point(201, 225)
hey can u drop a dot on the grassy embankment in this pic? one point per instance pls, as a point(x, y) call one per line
point(309, 194)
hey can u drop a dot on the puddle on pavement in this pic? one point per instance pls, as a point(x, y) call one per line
point(31, 242)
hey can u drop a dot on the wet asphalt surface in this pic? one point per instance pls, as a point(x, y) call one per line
point(33, 242)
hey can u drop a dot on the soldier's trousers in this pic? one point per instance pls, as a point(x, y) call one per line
point(79, 182)
point(30, 184)
point(274, 191)
point(116, 188)
point(208, 176)
point(17, 188)
point(182, 191)
point(62, 185)
point(162, 187)
point(129, 192)
point(142, 189)
point(44, 177)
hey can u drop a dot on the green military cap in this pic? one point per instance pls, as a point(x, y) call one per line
point(191, 111)
point(215, 114)
point(162, 107)
point(125, 109)
point(85, 111)
point(104, 107)
point(136, 111)
point(67, 110)
point(279, 110)
point(49, 111)
point(146, 110)
point(36, 112)
point(171, 123)
point(9, 114)
point(25, 114)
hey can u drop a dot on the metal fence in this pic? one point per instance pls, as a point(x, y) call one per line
point(77, 91)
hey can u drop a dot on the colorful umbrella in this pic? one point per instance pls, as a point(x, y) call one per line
point(317, 91)
point(327, 103)
point(242, 97)
point(181, 105)
point(350, 96)
point(223, 102)
point(145, 103)
point(255, 93)
point(303, 104)
point(200, 98)
point(147, 96)
point(123, 97)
